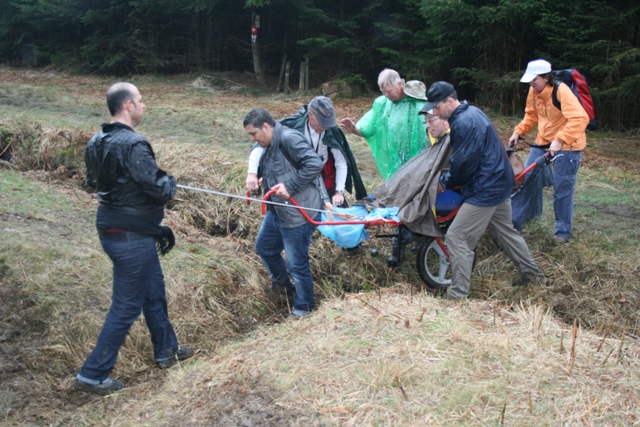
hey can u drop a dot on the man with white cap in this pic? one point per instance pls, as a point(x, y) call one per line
point(562, 132)
point(480, 166)
point(317, 122)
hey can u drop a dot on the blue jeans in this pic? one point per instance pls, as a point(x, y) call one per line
point(565, 171)
point(138, 285)
point(528, 205)
point(272, 239)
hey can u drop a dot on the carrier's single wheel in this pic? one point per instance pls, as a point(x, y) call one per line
point(433, 265)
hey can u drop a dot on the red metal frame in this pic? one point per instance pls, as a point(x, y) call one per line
point(383, 221)
point(367, 224)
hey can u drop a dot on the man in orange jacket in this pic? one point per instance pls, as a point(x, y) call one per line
point(562, 132)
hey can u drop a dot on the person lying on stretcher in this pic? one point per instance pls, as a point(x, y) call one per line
point(414, 188)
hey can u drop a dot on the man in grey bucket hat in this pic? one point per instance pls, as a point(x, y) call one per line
point(317, 122)
point(321, 108)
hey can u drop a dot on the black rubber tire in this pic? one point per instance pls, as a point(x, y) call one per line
point(434, 269)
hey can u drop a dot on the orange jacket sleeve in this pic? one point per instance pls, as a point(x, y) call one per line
point(530, 119)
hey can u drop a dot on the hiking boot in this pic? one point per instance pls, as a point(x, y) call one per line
point(105, 387)
point(560, 240)
point(448, 297)
point(299, 314)
point(183, 353)
point(398, 245)
point(396, 253)
point(349, 252)
point(526, 279)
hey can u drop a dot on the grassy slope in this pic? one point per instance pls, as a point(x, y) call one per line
point(394, 356)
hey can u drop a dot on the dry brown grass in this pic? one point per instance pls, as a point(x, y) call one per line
point(398, 359)
point(45, 149)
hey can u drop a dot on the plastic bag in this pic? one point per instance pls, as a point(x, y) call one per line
point(346, 236)
point(351, 235)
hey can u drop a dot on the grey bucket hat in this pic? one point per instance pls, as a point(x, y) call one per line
point(322, 108)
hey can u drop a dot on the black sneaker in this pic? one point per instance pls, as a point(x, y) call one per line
point(106, 387)
point(183, 353)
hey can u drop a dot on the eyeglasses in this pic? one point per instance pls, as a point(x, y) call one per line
point(433, 120)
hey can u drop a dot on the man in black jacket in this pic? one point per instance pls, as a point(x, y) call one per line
point(291, 168)
point(132, 192)
point(480, 166)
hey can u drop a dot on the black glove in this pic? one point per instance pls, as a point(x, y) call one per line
point(166, 240)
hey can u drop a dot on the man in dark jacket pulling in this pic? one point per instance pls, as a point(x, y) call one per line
point(132, 192)
point(291, 167)
point(317, 122)
point(478, 164)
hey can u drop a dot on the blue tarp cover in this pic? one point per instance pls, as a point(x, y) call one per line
point(349, 236)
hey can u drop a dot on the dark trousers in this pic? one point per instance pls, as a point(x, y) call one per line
point(138, 286)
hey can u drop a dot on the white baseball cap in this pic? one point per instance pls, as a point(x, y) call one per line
point(534, 69)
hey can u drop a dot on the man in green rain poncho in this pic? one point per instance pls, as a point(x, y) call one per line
point(396, 132)
point(393, 128)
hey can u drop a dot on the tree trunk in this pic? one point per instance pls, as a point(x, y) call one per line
point(306, 73)
point(287, 71)
point(255, 50)
point(284, 62)
point(301, 81)
point(257, 65)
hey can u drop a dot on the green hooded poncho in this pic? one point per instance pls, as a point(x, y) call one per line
point(395, 132)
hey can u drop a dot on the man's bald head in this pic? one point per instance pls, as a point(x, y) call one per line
point(118, 94)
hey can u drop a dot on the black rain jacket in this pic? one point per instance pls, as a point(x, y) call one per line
point(131, 188)
point(291, 160)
